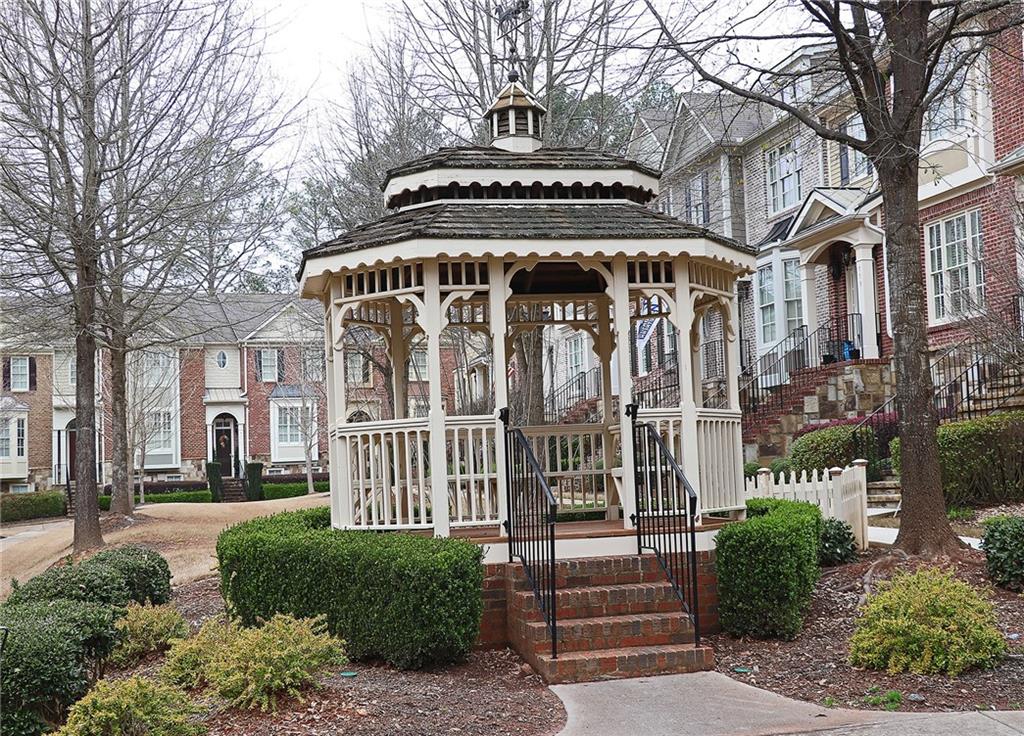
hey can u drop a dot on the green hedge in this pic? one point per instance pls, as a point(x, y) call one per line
point(1003, 542)
point(92, 582)
point(42, 504)
point(982, 460)
point(767, 568)
point(409, 600)
point(179, 497)
point(273, 491)
point(146, 573)
point(254, 481)
point(833, 447)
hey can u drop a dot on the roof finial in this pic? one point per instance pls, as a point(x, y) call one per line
point(512, 18)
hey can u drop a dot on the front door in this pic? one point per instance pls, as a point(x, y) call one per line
point(224, 445)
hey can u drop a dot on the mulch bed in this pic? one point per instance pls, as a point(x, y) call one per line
point(491, 694)
point(814, 667)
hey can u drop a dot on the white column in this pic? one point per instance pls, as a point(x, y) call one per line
point(689, 373)
point(341, 478)
point(603, 349)
point(209, 442)
point(432, 322)
point(810, 299)
point(398, 358)
point(497, 301)
point(866, 297)
point(620, 311)
point(732, 350)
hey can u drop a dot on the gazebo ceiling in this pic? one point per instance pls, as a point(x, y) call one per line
point(560, 277)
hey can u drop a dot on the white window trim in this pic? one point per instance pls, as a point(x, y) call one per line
point(20, 438)
point(5, 440)
point(787, 300)
point(168, 428)
point(264, 376)
point(276, 446)
point(73, 371)
point(414, 373)
point(773, 159)
point(974, 265)
point(575, 356)
point(21, 360)
point(765, 301)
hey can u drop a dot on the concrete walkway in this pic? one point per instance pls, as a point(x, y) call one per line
point(712, 704)
point(887, 535)
point(11, 534)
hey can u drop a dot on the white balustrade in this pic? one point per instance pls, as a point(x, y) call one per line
point(472, 470)
point(572, 458)
point(720, 460)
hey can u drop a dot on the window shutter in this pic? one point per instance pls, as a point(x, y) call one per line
point(705, 199)
point(844, 161)
point(31, 374)
point(259, 365)
point(280, 366)
point(7, 374)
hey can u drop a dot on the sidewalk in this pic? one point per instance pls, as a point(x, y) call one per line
point(22, 531)
point(712, 704)
point(887, 535)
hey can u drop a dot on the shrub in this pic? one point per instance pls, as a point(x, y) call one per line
point(158, 487)
point(838, 543)
point(53, 650)
point(213, 477)
point(273, 491)
point(295, 478)
point(750, 469)
point(407, 599)
point(145, 630)
point(94, 582)
point(1003, 542)
point(928, 623)
point(132, 707)
point(21, 506)
point(767, 568)
point(145, 571)
point(832, 447)
point(254, 481)
point(982, 460)
point(781, 468)
point(170, 497)
point(252, 667)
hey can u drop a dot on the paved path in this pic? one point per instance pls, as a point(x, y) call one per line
point(11, 534)
point(887, 535)
point(712, 704)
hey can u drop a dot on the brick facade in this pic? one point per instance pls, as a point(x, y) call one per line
point(191, 386)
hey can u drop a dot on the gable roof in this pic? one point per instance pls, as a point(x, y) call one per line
point(707, 120)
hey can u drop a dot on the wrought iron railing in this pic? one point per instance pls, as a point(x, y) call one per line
point(583, 386)
point(532, 510)
point(666, 514)
point(660, 387)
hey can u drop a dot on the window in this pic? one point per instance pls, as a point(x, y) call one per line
point(357, 369)
point(783, 177)
point(766, 303)
point(5, 439)
point(222, 359)
point(268, 365)
point(697, 204)
point(794, 305)
point(19, 434)
point(275, 471)
point(159, 432)
point(853, 164)
point(955, 266)
point(156, 368)
point(20, 488)
point(313, 363)
point(174, 476)
point(73, 370)
point(19, 373)
point(664, 203)
point(290, 422)
point(948, 114)
point(574, 347)
point(418, 366)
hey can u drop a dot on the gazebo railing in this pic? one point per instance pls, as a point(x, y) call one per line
point(572, 459)
point(472, 470)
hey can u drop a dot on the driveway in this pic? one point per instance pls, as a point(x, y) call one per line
point(712, 704)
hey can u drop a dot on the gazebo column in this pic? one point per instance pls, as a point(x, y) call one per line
point(498, 322)
point(689, 372)
point(432, 322)
point(603, 347)
point(399, 355)
point(620, 310)
point(732, 351)
point(341, 481)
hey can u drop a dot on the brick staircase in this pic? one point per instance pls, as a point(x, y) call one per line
point(616, 617)
point(234, 491)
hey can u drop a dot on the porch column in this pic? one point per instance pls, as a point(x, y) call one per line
point(432, 322)
point(209, 441)
point(689, 372)
point(810, 297)
point(866, 297)
point(732, 350)
point(399, 353)
point(603, 350)
point(498, 319)
point(341, 477)
point(620, 311)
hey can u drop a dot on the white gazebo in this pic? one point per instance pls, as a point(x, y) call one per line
point(498, 240)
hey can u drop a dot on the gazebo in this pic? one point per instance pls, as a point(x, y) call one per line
point(499, 240)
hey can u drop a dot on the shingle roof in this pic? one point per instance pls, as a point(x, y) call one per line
point(711, 119)
point(489, 157)
point(546, 220)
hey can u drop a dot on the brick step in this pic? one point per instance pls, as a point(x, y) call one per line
point(612, 632)
point(234, 491)
point(608, 664)
point(601, 600)
point(594, 571)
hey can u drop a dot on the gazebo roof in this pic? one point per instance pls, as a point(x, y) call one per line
point(543, 220)
point(490, 157)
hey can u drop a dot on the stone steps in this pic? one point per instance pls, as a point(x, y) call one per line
point(234, 491)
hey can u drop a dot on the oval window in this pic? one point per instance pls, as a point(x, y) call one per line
point(222, 359)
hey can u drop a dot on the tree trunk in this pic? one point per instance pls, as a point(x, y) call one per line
point(87, 514)
point(924, 527)
point(121, 500)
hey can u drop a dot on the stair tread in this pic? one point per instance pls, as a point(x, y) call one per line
point(614, 619)
point(587, 654)
point(601, 588)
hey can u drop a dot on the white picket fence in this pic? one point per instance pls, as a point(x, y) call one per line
point(839, 492)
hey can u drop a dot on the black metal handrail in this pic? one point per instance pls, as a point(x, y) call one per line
point(581, 387)
point(532, 510)
point(666, 514)
point(660, 388)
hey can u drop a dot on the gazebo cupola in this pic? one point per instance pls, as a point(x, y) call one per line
point(515, 118)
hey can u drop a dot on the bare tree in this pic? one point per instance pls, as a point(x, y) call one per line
point(890, 63)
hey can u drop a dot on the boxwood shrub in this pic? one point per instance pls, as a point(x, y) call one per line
point(982, 460)
point(146, 572)
point(172, 497)
point(254, 481)
point(409, 600)
point(767, 568)
point(272, 491)
point(216, 481)
point(39, 505)
point(92, 582)
point(833, 447)
point(1003, 542)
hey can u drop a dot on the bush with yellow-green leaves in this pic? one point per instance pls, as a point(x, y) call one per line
point(146, 630)
point(133, 707)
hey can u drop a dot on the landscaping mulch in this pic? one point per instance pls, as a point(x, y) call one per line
point(491, 694)
point(814, 667)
